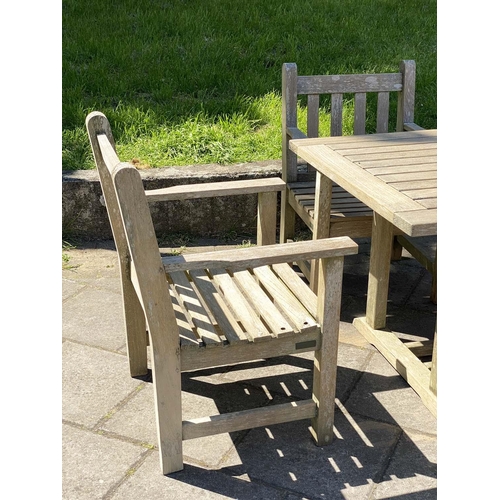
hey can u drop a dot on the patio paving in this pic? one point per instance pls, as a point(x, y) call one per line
point(386, 444)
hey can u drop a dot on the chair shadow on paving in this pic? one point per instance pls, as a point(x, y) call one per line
point(371, 448)
point(385, 439)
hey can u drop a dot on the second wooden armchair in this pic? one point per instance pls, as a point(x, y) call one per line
point(348, 216)
point(219, 308)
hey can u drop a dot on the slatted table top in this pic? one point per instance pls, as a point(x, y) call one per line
point(395, 174)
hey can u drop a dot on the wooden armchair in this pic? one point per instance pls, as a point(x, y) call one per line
point(348, 216)
point(218, 308)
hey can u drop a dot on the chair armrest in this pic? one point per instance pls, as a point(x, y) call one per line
point(215, 189)
point(245, 258)
point(295, 133)
point(412, 126)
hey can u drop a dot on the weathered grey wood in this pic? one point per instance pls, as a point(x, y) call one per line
point(378, 277)
point(402, 359)
point(187, 334)
point(321, 228)
point(335, 115)
point(412, 126)
point(433, 383)
point(215, 189)
point(288, 158)
point(195, 311)
point(266, 218)
point(383, 112)
point(403, 199)
point(160, 316)
point(261, 302)
point(248, 419)
point(359, 113)
point(285, 300)
point(424, 249)
point(192, 359)
point(288, 119)
point(298, 287)
point(396, 178)
point(398, 139)
point(402, 83)
point(406, 99)
point(325, 374)
point(255, 329)
point(218, 308)
point(295, 133)
point(342, 84)
point(417, 222)
point(404, 148)
point(313, 115)
point(135, 325)
point(420, 349)
point(245, 258)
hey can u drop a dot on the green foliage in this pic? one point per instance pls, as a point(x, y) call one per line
point(187, 82)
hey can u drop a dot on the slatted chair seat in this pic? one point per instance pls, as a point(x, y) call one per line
point(348, 215)
point(217, 308)
point(204, 310)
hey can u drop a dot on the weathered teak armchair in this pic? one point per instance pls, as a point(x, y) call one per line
point(348, 216)
point(218, 308)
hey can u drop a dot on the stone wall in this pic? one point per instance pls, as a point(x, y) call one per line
point(84, 214)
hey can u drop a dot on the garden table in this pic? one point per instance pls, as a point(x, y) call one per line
point(395, 174)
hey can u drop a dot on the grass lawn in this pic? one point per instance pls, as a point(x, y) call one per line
point(199, 81)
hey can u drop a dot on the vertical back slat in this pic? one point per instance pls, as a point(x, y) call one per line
point(359, 113)
point(312, 120)
point(406, 98)
point(288, 119)
point(383, 112)
point(313, 115)
point(336, 115)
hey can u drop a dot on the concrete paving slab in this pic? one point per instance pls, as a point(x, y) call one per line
point(136, 420)
point(192, 483)
point(70, 288)
point(92, 464)
point(386, 438)
point(382, 394)
point(94, 382)
point(412, 472)
point(286, 456)
point(100, 323)
point(291, 376)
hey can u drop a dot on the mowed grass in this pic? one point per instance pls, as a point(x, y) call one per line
point(199, 81)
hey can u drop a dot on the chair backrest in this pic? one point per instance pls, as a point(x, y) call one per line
point(132, 225)
point(382, 84)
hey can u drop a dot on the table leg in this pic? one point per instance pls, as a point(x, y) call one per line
point(373, 326)
point(378, 279)
point(321, 229)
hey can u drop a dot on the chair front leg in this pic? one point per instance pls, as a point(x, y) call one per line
point(325, 360)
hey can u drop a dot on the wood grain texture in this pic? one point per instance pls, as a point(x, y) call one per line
point(401, 83)
point(215, 189)
point(217, 308)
